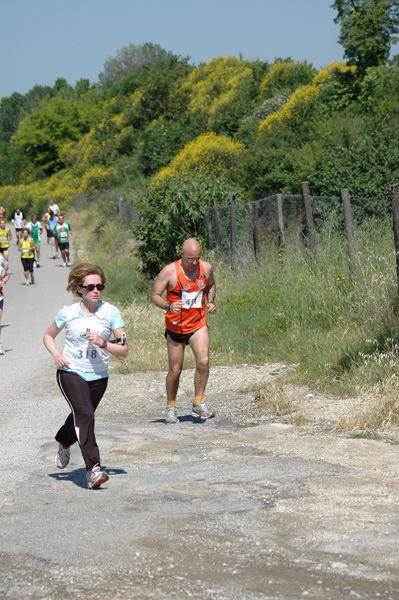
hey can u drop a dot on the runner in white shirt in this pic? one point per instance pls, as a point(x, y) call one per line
point(82, 368)
point(54, 207)
point(18, 221)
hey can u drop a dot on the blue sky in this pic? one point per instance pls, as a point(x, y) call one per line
point(41, 40)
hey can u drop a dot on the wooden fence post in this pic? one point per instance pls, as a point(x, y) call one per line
point(395, 215)
point(217, 227)
point(309, 215)
point(255, 232)
point(280, 218)
point(349, 231)
point(233, 222)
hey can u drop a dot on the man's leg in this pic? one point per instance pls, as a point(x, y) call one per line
point(175, 356)
point(199, 343)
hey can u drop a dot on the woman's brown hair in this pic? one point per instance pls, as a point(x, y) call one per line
point(79, 274)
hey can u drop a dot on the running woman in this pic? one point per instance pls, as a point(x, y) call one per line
point(35, 229)
point(82, 368)
point(63, 233)
point(26, 247)
point(4, 277)
point(5, 238)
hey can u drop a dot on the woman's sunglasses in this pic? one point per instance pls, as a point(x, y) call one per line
point(91, 287)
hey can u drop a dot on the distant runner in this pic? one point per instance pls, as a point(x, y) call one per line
point(35, 229)
point(4, 277)
point(54, 208)
point(18, 223)
point(26, 247)
point(5, 238)
point(52, 224)
point(63, 233)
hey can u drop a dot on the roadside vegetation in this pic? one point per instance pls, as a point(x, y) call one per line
point(339, 333)
point(169, 137)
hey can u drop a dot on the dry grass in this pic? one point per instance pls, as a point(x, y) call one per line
point(275, 399)
point(378, 409)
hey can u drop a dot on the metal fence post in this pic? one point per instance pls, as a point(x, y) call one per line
point(255, 232)
point(346, 201)
point(233, 221)
point(217, 226)
point(309, 215)
point(280, 218)
point(395, 215)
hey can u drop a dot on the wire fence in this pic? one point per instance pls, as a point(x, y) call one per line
point(242, 228)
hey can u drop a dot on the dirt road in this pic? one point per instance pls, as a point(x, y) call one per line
point(219, 510)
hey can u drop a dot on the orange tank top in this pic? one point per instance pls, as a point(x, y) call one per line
point(192, 316)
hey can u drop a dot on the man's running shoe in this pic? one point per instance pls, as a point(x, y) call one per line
point(64, 264)
point(38, 265)
point(32, 279)
point(27, 282)
point(171, 414)
point(96, 477)
point(1, 349)
point(62, 457)
point(201, 411)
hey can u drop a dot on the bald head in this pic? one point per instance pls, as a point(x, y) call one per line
point(192, 246)
point(190, 254)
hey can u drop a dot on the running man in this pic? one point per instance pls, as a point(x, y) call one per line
point(35, 229)
point(52, 224)
point(5, 238)
point(63, 233)
point(187, 282)
point(54, 208)
point(18, 223)
point(4, 277)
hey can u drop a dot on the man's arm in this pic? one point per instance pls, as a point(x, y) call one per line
point(164, 281)
point(210, 291)
point(160, 285)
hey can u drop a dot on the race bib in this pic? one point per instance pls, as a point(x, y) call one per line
point(192, 299)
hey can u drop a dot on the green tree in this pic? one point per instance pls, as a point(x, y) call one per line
point(368, 29)
point(173, 212)
point(41, 135)
point(131, 60)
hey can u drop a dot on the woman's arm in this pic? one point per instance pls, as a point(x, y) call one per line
point(49, 342)
point(119, 350)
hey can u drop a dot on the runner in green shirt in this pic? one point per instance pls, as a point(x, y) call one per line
point(63, 233)
point(35, 229)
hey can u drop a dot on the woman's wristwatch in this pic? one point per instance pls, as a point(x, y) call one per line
point(167, 306)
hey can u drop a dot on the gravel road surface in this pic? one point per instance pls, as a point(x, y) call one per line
point(239, 507)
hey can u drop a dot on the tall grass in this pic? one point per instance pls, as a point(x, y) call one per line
point(305, 308)
point(298, 307)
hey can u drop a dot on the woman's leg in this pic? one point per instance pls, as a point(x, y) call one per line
point(83, 398)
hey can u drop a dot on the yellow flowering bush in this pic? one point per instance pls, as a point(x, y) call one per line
point(285, 74)
point(302, 97)
point(97, 178)
point(34, 197)
point(208, 153)
point(211, 89)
